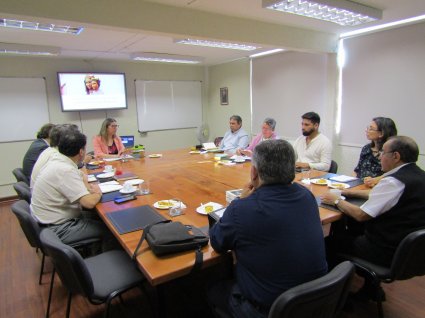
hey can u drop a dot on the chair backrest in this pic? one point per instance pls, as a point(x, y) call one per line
point(334, 167)
point(23, 191)
point(20, 176)
point(68, 263)
point(217, 141)
point(321, 298)
point(409, 258)
point(30, 226)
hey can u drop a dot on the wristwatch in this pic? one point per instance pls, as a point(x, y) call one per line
point(337, 201)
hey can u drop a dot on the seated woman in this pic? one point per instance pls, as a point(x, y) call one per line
point(267, 132)
point(369, 165)
point(107, 144)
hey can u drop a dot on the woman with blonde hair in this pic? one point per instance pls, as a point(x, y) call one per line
point(107, 144)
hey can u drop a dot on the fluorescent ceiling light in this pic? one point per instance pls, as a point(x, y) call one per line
point(222, 45)
point(165, 58)
point(50, 27)
point(24, 49)
point(382, 26)
point(343, 12)
point(266, 53)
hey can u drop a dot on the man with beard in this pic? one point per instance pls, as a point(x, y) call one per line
point(313, 150)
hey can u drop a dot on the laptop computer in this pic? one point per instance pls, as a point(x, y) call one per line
point(127, 141)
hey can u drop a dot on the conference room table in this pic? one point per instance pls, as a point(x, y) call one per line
point(194, 179)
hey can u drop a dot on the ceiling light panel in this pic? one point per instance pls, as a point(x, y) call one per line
point(216, 44)
point(18, 24)
point(24, 49)
point(165, 58)
point(342, 12)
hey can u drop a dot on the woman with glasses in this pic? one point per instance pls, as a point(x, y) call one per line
point(107, 144)
point(369, 165)
point(267, 132)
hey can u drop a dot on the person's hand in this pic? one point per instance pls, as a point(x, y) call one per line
point(302, 165)
point(87, 158)
point(328, 198)
point(239, 151)
point(94, 188)
point(247, 190)
point(371, 182)
point(246, 152)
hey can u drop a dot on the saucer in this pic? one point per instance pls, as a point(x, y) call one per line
point(105, 175)
point(123, 191)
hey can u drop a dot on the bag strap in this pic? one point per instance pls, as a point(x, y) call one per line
point(145, 232)
point(199, 259)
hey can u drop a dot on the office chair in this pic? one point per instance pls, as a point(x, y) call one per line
point(408, 262)
point(323, 297)
point(20, 176)
point(23, 191)
point(217, 141)
point(99, 278)
point(334, 167)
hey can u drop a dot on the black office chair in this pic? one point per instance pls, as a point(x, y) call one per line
point(334, 167)
point(217, 141)
point(30, 227)
point(408, 262)
point(99, 278)
point(20, 176)
point(321, 298)
point(23, 191)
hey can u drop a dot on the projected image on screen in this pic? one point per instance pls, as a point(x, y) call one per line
point(92, 91)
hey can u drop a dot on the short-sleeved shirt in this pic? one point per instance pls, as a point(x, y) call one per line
point(318, 153)
point(57, 191)
point(234, 140)
point(42, 160)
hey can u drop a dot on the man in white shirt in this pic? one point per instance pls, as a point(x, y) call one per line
point(313, 149)
point(235, 137)
point(61, 191)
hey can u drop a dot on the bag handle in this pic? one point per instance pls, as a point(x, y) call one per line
point(145, 232)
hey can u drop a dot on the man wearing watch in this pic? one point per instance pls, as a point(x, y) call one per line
point(394, 208)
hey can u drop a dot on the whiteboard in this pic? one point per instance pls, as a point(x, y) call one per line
point(24, 108)
point(163, 105)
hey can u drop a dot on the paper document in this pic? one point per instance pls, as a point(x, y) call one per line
point(91, 178)
point(109, 186)
point(343, 178)
point(209, 146)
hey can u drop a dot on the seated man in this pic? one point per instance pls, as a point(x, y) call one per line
point(275, 233)
point(235, 137)
point(61, 190)
point(394, 208)
point(36, 148)
point(313, 150)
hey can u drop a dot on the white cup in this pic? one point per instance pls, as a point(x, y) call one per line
point(127, 186)
point(336, 192)
point(109, 168)
point(144, 187)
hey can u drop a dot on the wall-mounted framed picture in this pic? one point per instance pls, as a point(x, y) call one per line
point(224, 96)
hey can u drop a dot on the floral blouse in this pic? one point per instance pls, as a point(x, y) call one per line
point(369, 165)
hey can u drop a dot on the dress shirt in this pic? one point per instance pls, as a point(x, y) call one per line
point(232, 141)
point(318, 153)
point(42, 160)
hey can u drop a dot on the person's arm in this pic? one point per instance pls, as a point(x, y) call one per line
point(371, 182)
point(90, 200)
point(345, 207)
point(223, 233)
point(243, 142)
point(98, 147)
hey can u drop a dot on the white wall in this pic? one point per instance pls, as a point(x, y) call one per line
point(90, 122)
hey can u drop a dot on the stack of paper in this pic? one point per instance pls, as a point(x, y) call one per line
point(109, 186)
point(343, 178)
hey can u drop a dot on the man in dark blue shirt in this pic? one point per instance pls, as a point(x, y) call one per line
point(274, 232)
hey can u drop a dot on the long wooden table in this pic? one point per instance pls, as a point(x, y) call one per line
point(195, 179)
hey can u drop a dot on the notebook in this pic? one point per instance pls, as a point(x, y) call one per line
point(133, 219)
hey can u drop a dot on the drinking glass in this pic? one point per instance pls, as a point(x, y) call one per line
point(176, 208)
point(145, 188)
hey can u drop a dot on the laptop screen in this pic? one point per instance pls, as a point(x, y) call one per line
point(128, 141)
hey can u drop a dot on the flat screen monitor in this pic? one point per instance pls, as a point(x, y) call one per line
point(92, 91)
point(127, 141)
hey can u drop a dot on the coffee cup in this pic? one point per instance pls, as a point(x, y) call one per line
point(336, 192)
point(109, 168)
point(128, 186)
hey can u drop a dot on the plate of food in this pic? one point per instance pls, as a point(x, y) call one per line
point(208, 208)
point(96, 162)
point(155, 155)
point(338, 185)
point(166, 204)
point(105, 175)
point(319, 181)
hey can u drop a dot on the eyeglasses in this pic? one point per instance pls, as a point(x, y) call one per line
point(381, 153)
point(371, 128)
point(115, 126)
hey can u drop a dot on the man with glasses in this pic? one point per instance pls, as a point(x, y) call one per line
point(313, 149)
point(394, 208)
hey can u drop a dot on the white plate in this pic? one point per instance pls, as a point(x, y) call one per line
point(201, 209)
point(316, 181)
point(105, 175)
point(168, 204)
point(155, 155)
point(134, 182)
point(96, 162)
point(338, 185)
point(134, 189)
